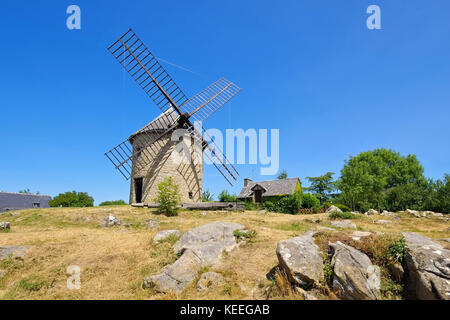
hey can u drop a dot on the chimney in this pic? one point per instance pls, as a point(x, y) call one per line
point(247, 181)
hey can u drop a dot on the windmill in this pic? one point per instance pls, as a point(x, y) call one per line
point(145, 156)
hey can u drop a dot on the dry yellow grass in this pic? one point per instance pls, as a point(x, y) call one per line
point(115, 260)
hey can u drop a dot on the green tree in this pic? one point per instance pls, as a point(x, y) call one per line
point(225, 196)
point(168, 197)
point(25, 191)
point(322, 186)
point(310, 201)
point(437, 196)
point(382, 179)
point(72, 199)
point(207, 196)
point(112, 203)
point(283, 175)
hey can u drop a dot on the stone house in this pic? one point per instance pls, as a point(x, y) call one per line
point(259, 191)
point(146, 175)
point(16, 201)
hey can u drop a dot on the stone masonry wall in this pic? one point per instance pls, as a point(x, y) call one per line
point(187, 175)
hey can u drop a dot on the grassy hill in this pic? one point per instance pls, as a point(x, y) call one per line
point(115, 260)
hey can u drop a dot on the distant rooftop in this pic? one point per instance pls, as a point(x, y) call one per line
point(272, 187)
point(15, 201)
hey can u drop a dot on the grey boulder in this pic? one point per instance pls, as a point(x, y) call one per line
point(199, 247)
point(355, 278)
point(5, 225)
point(13, 251)
point(301, 260)
point(209, 280)
point(344, 224)
point(110, 221)
point(151, 224)
point(163, 235)
point(428, 265)
point(333, 209)
point(371, 212)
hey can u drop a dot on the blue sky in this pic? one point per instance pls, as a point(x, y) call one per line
point(310, 68)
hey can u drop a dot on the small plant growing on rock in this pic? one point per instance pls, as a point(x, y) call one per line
point(396, 251)
point(248, 235)
point(168, 197)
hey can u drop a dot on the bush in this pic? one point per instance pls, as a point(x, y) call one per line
point(168, 197)
point(310, 201)
point(290, 204)
point(343, 207)
point(397, 250)
point(270, 206)
point(342, 215)
point(250, 205)
point(224, 196)
point(207, 196)
point(113, 203)
point(72, 199)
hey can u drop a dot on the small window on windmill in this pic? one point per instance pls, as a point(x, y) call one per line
point(138, 151)
point(36, 205)
point(190, 195)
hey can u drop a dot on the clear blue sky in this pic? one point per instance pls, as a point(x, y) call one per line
point(310, 68)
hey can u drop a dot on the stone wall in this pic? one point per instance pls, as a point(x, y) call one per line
point(188, 175)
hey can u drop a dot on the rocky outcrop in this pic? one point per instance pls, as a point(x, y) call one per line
point(199, 247)
point(5, 225)
point(209, 280)
point(357, 235)
point(110, 221)
point(151, 224)
point(355, 278)
point(344, 224)
point(13, 251)
point(300, 258)
point(371, 212)
point(333, 209)
point(165, 234)
point(384, 221)
point(428, 265)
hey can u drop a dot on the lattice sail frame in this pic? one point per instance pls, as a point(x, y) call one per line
point(146, 70)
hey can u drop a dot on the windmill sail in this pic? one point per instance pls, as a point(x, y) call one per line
point(124, 154)
point(214, 154)
point(146, 70)
point(207, 102)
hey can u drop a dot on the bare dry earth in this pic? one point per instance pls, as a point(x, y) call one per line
point(115, 260)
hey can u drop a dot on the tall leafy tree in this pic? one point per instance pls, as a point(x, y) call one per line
point(72, 199)
point(283, 175)
point(322, 186)
point(382, 179)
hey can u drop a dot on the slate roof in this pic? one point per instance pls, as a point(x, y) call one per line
point(273, 187)
point(15, 201)
point(160, 123)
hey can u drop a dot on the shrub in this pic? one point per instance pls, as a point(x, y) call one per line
point(113, 203)
point(326, 205)
point(250, 205)
point(396, 250)
point(269, 206)
point(343, 207)
point(310, 201)
point(224, 196)
point(342, 215)
point(72, 199)
point(249, 235)
point(168, 197)
point(207, 196)
point(289, 204)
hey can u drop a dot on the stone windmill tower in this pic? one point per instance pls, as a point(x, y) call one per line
point(170, 145)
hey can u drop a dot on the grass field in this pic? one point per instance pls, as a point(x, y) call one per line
point(115, 260)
